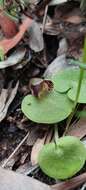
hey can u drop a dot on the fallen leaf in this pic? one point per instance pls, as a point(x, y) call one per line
point(8, 26)
point(57, 65)
point(8, 44)
point(6, 98)
point(63, 47)
point(13, 59)
point(11, 180)
point(60, 62)
point(78, 129)
point(36, 37)
point(36, 149)
point(74, 19)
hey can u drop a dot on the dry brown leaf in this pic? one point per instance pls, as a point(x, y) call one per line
point(8, 26)
point(78, 129)
point(36, 37)
point(8, 44)
point(36, 149)
point(49, 136)
point(11, 180)
point(74, 19)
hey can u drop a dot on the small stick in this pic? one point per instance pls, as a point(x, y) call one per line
point(17, 148)
point(44, 19)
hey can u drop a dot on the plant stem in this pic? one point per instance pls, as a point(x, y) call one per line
point(78, 90)
point(76, 100)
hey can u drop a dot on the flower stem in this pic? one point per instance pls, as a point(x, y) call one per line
point(76, 100)
point(78, 90)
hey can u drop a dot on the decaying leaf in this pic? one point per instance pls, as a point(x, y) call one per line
point(57, 65)
point(74, 19)
point(13, 59)
point(14, 181)
point(11, 180)
point(8, 44)
point(6, 99)
point(36, 38)
point(78, 129)
point(60, 62)
point(8, 26)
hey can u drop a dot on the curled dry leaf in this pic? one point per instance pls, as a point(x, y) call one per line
point(14, 59)
point(8, 26)
point(8, 44)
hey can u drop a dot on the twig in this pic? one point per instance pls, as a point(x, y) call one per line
point(44, 19)
point(17, 148)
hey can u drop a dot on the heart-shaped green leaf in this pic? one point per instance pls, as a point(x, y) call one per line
point(82, 96)
point(64, 159)
point(63, 80)
point(67, 80)
point(52, 108)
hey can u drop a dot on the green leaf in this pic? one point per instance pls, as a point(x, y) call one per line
point(52, 108)
point(67, 81)
point(64, 159)
point(63, 79)
point(73, 91)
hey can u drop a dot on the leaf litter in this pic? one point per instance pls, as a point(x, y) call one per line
point(68, 26)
